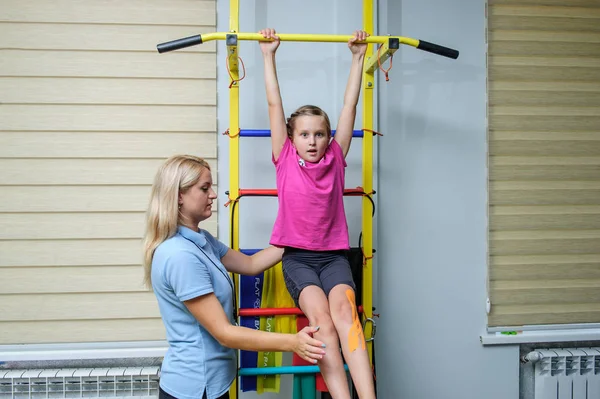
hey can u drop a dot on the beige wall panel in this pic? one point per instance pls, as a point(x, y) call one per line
point(545, 111)
point(82, 306)
point(544, 147)
point(544, 193)
point(546, 259)
point(572, 3)
point(544, 98)
point(567, 87)
point(516, 36)
point(108, 117)
point(108, 91)
point(545, 172)
point(544, 197)
point(499, 135)
point(25, 332)
point(555, 271)
point(498, 161)
point(74, 199)
point(505, 315)
point(172, 12)
point(533, 11)
point(544, 49)
point(548, 122)
point(93, 172)
point(546, 185)
point(544, 242)
point(535, 221)
point(106, 144)
point(557, 294)
point(77, 279)
point(581, 74)
point(77, 198)
point(543, 23)
point(71, 252)
point(71, 225)
point(107, 37)
point(107, 64)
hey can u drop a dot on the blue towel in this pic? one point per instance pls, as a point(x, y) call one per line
point(251, 288)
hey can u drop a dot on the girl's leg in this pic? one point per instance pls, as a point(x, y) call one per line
point(313, 303)
point(347, 323)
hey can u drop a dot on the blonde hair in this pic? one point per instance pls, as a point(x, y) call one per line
point(176, 175)
point(310, 110)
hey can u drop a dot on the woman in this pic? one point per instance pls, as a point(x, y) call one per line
point(188, 270)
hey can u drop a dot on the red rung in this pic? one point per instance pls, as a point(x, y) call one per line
point(276, 311)
point(257, 191)
point(273, 192)
point(270, 312)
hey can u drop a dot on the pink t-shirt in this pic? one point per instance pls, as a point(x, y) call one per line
point(311, 201)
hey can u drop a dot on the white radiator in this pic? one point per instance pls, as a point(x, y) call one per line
point(567, 373)
point(124, 382)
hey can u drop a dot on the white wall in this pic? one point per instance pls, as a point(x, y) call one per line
point(431, 247)
point(432, 191)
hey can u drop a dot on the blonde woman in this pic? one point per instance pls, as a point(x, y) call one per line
point(187, 269)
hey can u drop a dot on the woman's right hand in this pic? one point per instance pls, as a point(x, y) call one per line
point(271, 46)
point(307, 347)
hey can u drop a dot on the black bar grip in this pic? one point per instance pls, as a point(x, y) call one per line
point(437, 49)
point(179, 43)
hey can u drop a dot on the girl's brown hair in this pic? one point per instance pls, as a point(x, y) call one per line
point(310, 110)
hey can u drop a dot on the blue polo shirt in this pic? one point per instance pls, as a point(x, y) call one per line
point(186, 266)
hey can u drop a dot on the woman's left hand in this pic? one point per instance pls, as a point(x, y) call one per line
point(307, 347)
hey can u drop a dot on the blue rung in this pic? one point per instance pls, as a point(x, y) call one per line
point(267, 133)
point(249, 251)
point(282, 370)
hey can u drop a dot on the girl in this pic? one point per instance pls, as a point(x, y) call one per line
point(311, 223)
point(187, 269)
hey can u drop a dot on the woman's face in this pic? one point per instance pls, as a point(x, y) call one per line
point(196, 202)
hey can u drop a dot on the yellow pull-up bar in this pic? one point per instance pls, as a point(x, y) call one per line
point(232, 38)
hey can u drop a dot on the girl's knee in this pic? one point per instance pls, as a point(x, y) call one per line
point(343, 307)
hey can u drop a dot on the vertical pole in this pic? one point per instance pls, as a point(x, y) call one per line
point(234, 144)
point(367, 179)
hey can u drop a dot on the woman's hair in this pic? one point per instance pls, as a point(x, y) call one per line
point(311, 110)
point(176, 175)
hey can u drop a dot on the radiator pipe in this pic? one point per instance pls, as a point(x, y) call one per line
point(533, 357)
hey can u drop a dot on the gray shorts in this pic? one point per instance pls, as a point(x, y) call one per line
point(325, 269)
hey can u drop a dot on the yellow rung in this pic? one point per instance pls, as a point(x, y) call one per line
point(306, 37)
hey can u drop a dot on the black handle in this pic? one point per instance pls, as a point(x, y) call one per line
point(179, 43)
point(437, 49)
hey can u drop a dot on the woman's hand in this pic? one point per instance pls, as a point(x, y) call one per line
point(269, 47)
point(358, 48)
point(307, 347)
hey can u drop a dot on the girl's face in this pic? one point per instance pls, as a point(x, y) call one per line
point(310, 137)
point(196, 202)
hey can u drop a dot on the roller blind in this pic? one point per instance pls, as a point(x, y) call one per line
point(88, 111)
point(544, 161)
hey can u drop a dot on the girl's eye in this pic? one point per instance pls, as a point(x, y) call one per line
point(320, 134)
point(204, 188)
